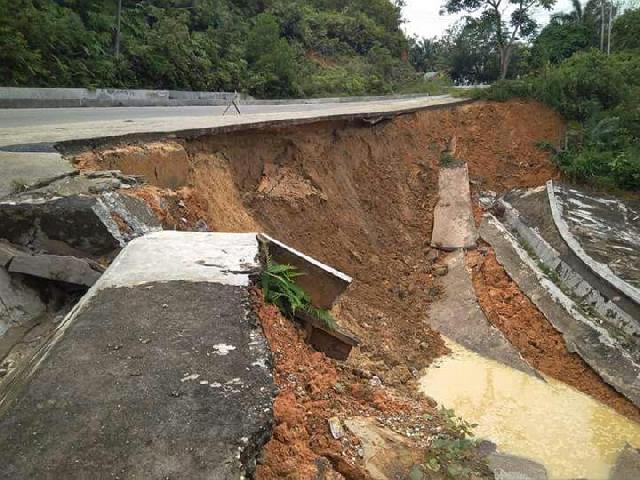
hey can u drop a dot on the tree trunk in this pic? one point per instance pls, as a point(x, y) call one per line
point(505, 60)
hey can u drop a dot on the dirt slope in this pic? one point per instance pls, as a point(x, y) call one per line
point(356, 196)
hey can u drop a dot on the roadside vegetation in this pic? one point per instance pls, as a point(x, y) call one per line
point(597, 92)
point(278, 283)
point(278, 48)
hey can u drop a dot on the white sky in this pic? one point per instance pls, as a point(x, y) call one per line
point(423, 19)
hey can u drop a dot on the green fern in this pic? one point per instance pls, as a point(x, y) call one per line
point(278, 283)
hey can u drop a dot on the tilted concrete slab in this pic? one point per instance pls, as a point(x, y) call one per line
point(453, 224)
point(323, 283)
point(56, 267)
point(21, 169)
point(458, 316)
point(164, 376)
point(77, 225)
point(592, 342)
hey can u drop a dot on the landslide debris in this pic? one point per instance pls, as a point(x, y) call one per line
point(357, 197)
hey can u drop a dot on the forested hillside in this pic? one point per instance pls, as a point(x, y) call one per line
point(274, 48)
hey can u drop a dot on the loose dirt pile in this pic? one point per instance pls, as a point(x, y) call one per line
point(313, 389)
point(509, 310)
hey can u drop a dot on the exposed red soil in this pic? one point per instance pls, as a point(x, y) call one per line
point(314, 388)
point(511, 311)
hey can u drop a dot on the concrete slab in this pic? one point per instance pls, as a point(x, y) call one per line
point(19, 169)
point(225, 258)
point(55, 267)
point(627, 465)
point(510, 467)
point(458, 316)
point(591, 341)
point(78, 225)
point(323, 283)
point(603, 270)
point(453, 224)
point(19, 303)
point(210, 122)
point(180, 383)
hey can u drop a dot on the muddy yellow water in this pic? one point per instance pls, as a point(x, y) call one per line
point(570, 433)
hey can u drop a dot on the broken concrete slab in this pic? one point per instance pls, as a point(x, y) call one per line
point(7, 252)
point(323, 283)
point(19, 303)
point(55, 267)
point(78, 225)
point(453, 224)
point(591, 341)
point(458, 316)
point(23, 169)
point(180, 383)
point(510, 467)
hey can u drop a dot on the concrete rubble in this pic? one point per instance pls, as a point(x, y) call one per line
point(453, 224)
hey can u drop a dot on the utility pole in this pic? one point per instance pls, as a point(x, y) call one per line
point(610, 28)
point(602, 25)
point(118, 28)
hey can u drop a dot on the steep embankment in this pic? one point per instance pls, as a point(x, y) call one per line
point(358, 197)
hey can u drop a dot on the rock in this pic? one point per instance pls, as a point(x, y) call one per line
point(201, 226)
point(19, 303)
point(335, 427)
point(627, 464)
point(7, 252)
point(77, 225)
point(441, 270)
point(432, 255)
point(54, 267)
point(510, 467)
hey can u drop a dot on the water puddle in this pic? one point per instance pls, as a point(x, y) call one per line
point(570, 433)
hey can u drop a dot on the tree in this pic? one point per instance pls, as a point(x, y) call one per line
point(626, 31)
point(509, 21)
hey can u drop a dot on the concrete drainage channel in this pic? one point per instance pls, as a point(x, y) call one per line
point(169, 338)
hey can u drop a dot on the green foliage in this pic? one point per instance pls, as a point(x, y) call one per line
point(453, 450)
point(599, 95)
point(280, 48)
point(626, 31)
point(279, 286)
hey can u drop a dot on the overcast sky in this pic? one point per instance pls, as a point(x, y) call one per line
point(422, 17)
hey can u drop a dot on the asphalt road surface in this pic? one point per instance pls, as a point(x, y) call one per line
point(28, 127)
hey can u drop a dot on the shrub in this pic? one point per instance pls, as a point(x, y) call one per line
point(279, 286)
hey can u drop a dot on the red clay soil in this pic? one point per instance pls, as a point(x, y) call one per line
point(314, 388)
point(511, 311)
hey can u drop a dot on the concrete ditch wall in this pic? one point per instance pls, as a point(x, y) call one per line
point(16, 97)
point(13, 97)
